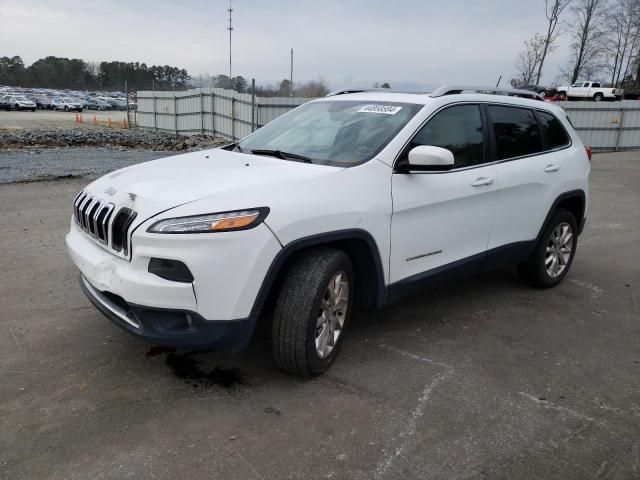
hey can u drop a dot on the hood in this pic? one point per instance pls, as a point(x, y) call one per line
point(153, 187)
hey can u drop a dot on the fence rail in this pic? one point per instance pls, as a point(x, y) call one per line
point(605, 126)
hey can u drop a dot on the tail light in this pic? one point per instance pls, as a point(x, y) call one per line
point(588, 149)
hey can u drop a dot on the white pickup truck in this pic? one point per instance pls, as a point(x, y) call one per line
point(589, 90)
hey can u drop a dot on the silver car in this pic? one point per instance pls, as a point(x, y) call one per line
point(19, 102)
point(65, 103)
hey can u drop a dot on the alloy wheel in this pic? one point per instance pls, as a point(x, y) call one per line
point(333, 310)
point(559, 249)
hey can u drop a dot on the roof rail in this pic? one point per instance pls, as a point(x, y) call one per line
point(511, 92)
point(344, 91)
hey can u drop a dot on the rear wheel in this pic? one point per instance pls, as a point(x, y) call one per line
point(312, 308)
point(554, 254)
point(562, 96)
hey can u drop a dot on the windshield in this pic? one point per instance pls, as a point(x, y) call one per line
point(69, 100)
point(21, 98)
point(333, 132)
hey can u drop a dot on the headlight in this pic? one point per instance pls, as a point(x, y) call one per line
point(212, 222)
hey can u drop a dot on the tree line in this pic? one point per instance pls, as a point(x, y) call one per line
point(604, 43)
point(58, 72)
point(308, 89)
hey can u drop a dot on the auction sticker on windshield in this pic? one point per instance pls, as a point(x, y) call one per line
point(386, 109)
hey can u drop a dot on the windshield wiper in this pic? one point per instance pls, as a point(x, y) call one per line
point(282, 155)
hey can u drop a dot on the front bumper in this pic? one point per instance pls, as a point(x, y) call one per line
point(217, 309)
point(171, 327)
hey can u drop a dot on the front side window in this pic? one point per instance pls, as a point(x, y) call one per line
point(516, 131)
point(553, 133)
point(458, 129)
point(339, 132)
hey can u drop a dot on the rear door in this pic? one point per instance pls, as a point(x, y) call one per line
point(442, 217)
point(528, 146)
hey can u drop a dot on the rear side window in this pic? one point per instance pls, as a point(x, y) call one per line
point(458, 129)
point(553, 133)
point(516, 131)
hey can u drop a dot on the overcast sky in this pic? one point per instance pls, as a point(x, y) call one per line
point(344, 42)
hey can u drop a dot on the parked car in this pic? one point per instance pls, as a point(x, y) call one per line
point(589, 90)
point(632, 94)
point(42, 102)
point(116, 103)
point(353, 199)
point(65, 103)
point(92, 103)
point(544, 91)
point(19, 102)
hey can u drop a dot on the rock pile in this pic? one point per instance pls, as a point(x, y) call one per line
point(118, 139)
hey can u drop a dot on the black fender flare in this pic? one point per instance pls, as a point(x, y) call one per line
point(562, 197)
point(327, 238)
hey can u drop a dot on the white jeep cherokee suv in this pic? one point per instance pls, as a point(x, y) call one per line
point(357, 198)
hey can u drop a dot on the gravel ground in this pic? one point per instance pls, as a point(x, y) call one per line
point(12, 120)
point(47, 164)
point(481, 379)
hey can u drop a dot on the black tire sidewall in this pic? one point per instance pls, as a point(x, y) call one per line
point(316, 364)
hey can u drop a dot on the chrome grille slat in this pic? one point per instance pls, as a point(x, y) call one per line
point(98, 218)
point(85, 214)
point(81, 210)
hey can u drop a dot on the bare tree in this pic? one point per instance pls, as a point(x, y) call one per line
point(529, 59)
point(623, 25)
point(553, 9)
point(588, 37)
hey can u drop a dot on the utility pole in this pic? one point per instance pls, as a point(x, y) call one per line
point(291, 76)
point(230, 28)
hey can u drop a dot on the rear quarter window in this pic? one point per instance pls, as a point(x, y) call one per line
point(553, 133)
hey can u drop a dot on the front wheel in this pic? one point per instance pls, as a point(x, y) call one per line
point(66, 109)
point(312, 308)
point(554, 254)
point(598, 97)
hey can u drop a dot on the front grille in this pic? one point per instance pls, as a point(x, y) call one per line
point(97, 218)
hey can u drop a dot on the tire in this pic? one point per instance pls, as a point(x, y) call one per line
point(33, 109)
point(303, 301)
point(18, 108)
point(598, 97)
point(66, 109)
point(562, 96)
point(538, 269)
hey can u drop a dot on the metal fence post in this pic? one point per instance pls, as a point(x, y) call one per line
point(175, 112)
point(213, 114)
point(233, 118)
point(620, 128)
point(253, 105)
point(201, 114)
point(155, 116)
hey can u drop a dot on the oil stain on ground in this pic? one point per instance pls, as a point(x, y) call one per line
point(190, 369)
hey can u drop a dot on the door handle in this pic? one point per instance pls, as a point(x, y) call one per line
point(479, 182)
point(551, 168)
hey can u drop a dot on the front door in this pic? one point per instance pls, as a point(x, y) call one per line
point(444, 217)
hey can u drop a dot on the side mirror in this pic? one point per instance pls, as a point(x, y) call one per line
point(429, 158)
